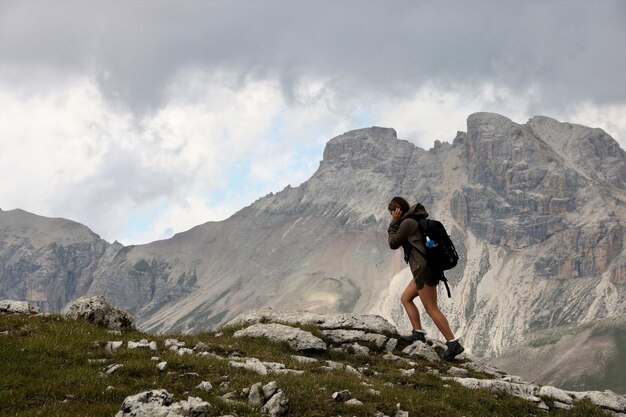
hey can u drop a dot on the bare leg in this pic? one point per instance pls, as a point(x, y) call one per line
point(408, 295)
point(428, 295)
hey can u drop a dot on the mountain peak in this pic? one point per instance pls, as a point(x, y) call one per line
point(481, 118)
point(374, 133)
point(365, 145)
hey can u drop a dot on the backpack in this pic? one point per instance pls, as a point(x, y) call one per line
point(440, 253)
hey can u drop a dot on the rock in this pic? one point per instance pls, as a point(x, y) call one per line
point(143, 343)
point(514, 378)
point(526, 391)
point(352, 370)
point(144, 399)
point(205, 386)
point(354, 402)
point(605, 399)
point(400, 413)
point(212, 355)
point(367, 322)
point(342, 396)
point(273, 366)
point(229, 396)
point(556, 394)
point(304, 359)
point(111, 346)
point(184, 351)
point(252, 364)
point(161, 366)
point(288, 371)
point(270, 389)
point(407, 372)
point(201, 347)
point(96, 310)
point(347, 336)
point(255, 396)
point(458, 372)
point(296, 338)
point(392, 357)
point(277, 406)
point(561, 406)
point(391, 344)
point(173, 342)
point(484, 368)
point(17, 307)
point(423, 351)
point(335, 365)
point(155, 359)
point(358, 349)
point(159, 403)
point(432, 370)
point(112, 368)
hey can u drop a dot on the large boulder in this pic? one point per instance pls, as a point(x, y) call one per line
point(423, 351)
point(297, 339)
point(367, 322)
point(347, 336)
point(98, 311)
point(17, 307)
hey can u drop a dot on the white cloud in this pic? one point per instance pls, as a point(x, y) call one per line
point(219, 144)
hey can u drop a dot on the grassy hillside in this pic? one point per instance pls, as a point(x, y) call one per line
point(45, 370)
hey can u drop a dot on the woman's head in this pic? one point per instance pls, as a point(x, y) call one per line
point(399, 202)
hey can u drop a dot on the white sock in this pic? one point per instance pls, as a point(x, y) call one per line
point(419, 331)
point(453, 340)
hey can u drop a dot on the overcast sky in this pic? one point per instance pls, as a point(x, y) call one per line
point(143, 119)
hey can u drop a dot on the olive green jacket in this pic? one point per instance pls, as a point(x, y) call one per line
point(406, 233)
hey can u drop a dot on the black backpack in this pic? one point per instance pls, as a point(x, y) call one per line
point(440, 253)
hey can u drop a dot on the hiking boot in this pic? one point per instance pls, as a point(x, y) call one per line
point(414, 337)
point(454, 348)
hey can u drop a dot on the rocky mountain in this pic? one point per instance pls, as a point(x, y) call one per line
point(535, 210)
point(584, 356)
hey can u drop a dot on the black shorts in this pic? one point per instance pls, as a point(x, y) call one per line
point(424, 274)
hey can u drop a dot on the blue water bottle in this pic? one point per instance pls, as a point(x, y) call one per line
point(430, 243)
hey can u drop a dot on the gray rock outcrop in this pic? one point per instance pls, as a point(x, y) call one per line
point(366, 322)
point(17, 307)
point(270, 398)
point(423, 351)
point(159, 403)
point(297, 339)
point(96, 310)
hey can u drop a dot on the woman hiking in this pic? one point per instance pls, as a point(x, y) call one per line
point(404, 231)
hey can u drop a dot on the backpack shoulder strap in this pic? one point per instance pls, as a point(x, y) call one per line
point(445, 282)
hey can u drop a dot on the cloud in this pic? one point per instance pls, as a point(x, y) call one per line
point(569, 50)
point(215, 147)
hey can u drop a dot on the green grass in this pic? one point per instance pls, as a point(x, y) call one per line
point(45, 371)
